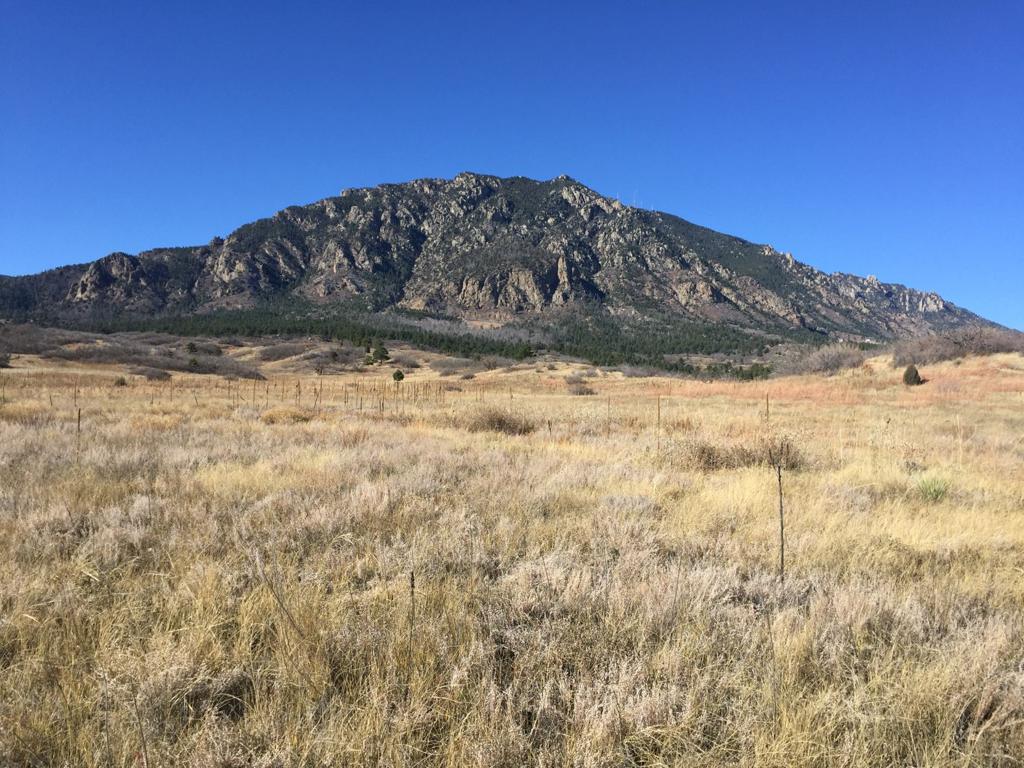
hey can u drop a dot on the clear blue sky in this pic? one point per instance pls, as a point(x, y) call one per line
point(876, 138)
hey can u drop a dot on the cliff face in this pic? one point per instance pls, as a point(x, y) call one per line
point(485, 248)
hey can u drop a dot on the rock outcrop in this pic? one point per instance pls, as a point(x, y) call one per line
point(482, 247)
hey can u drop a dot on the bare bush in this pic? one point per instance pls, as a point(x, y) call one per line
point(282, 351)
point(829, 359)
point(951, 345)
point(577, 385)
point(116, 350)
point(450, 366)
point(198, 347)
point(406, 362)
point(634, 372)
point(151, 338)
point(328, 361)
point(493, 362)
point(30, 339)
point(150, 374)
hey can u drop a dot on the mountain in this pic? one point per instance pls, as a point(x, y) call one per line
point(485, 251)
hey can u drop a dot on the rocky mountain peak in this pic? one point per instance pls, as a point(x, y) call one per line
point(485, 248)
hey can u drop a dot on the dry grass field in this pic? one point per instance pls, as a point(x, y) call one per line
point(343, 571)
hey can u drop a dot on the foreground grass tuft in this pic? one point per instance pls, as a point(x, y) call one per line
point(497, 420)
point(704, 455)
point(286, 415)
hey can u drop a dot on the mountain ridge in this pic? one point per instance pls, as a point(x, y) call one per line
point(487, 250)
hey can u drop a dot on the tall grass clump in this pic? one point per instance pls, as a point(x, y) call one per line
point(933, 489)
point(285, 414)
point(502, 421)
point(706, 455)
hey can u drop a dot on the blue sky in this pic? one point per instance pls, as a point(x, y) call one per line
point(875, 138)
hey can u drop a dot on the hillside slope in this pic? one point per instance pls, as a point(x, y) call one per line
point(488, 250)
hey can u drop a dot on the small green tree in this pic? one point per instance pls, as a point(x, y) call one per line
point(912, 377)
point(192, 348)
point(397, 376)
point(193, 363)
point(380, 354)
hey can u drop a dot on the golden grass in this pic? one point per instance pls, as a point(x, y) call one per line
point(217, 574)
point(285, 415)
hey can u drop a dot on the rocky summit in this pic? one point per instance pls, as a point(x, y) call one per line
point(486, 251)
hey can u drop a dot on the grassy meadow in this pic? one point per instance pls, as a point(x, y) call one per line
point(492, 571)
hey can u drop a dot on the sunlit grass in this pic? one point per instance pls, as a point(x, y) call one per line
point(200, 579)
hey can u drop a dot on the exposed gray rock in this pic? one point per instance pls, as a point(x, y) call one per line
point(488, 248)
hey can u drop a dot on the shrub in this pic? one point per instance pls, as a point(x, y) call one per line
point(975, 340)
point(120, 381)
point(397, 376)
point(32, 339)
point(121, 350)
point(933, 489)
point(494, 362)
point(449, 366)
point(277, 352)
point(577, 384)
point(406, 362)
point(150, 374)
point(210, 349)
point(829, 359)
point(5, 359)
point(505, 422)
point(911, 376)
point(634, 372)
